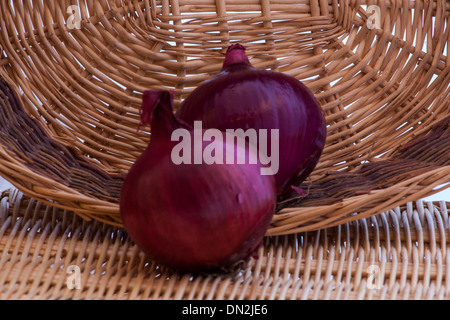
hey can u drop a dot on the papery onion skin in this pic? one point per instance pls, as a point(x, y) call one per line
point(241, 96)
point(193, 217)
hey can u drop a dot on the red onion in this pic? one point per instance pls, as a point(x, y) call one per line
point(242, 96)
point(193, 217)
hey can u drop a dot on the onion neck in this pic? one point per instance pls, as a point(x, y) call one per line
point(157, 111)
point(235, 55)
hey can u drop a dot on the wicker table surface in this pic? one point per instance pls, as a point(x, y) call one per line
point(404, 253)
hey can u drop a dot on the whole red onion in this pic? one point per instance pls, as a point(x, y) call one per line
point(193, 217)
point(241, 96)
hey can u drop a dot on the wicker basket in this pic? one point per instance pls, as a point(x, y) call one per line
point(72, 89)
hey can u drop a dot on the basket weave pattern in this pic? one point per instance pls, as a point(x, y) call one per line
point(403, 253)
point(71, 96)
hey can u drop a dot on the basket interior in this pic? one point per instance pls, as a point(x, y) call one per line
point(384, 91)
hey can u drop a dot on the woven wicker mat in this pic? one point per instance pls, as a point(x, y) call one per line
point(403, 253)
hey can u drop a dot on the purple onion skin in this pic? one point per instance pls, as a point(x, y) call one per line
point(194, 217)
point(241, 96)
